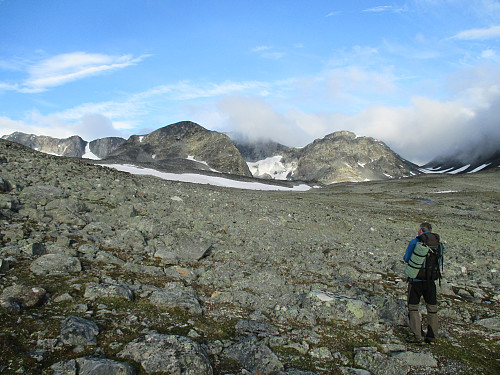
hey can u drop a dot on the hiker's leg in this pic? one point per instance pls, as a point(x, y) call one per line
point(415, 322)
point(432, 322)
point(414, 295)
point(430, 299)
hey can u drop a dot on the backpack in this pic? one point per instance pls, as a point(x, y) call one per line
point(434, 259)
point(426, 261)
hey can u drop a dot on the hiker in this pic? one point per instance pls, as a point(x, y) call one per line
point(424, 258)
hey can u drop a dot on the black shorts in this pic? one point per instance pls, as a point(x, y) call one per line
point(417, 289)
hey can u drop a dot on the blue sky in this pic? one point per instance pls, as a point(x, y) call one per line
point(421, 75)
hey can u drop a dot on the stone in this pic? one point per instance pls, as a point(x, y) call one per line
point(417, 359)
point(490, 323)
point(330, 306)
point(377, 363)
point(55, 264)
point(169, 354)
point(184, 299)
point(254, 356)
point(22, 295)
point(255, 328)
point(78, 331)
point(103, 366)
point(95, 291)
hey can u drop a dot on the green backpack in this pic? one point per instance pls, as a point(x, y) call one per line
point(425, 262)
point(417, 260)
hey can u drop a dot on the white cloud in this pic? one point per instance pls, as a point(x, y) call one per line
point(380, 8)
point(492, 32)
point(386, 8)
point(268, 52)
point(61, 69)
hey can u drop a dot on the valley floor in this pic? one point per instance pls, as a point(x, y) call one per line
point(103, 269)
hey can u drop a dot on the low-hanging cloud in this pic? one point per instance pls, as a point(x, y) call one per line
point(420, 132)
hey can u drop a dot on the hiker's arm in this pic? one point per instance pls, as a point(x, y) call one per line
point(409, 250)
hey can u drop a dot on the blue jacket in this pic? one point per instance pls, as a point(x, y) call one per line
point(409, 252)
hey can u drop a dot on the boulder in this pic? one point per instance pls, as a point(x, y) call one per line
point(330, 306)
point(254, 356)
point(92, 366)
point(95, 291)
point(55, 264)
point(185, 299)
point(168, 354)
point(78, 331)
point(21, 296)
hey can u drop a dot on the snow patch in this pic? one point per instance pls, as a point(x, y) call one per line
point(190, 157)
point(445, 192)
point(479, 168)
point(89, 154)
point(141, 138)
point(202, 179)
point(271, 166)
point(465, 167)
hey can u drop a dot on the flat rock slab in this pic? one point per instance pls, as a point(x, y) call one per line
point(55, 264)
point(168, 354)
point(95, 291)
point(185, 299)
point(330, 306)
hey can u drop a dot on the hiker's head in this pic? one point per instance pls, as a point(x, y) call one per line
point(425, 227)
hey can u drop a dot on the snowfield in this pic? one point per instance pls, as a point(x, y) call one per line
point(204, 179)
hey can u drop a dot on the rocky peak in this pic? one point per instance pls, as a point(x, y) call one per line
point(343, 157)
point(73, 146)
point(174, 144)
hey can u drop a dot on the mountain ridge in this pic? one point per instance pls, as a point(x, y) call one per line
point(341, 156)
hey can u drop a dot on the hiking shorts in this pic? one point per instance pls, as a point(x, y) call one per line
point(417, 289)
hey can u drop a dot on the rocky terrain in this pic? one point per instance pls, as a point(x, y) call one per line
point(103, 272)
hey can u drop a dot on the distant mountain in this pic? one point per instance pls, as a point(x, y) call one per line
point(73, 146)
point(464, 162)
point(337, 157)
point(184, 145)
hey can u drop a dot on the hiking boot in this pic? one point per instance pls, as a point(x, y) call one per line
point(430, 340)
point(417, 341)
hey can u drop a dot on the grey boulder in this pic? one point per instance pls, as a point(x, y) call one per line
point(168, 354)
point(78, 331)
point(55, 264)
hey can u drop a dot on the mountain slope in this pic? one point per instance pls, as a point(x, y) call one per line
point(456, 164)
point(73, 146)
point(337, 157)
point(185, 145)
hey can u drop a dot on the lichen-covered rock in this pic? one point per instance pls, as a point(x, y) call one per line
point(95, 291)
point(168, 354)
point(92, 366)
point(55, 264)
point(254, 356)
point(379, 364)
point(21, 296)
point(78, 331)
point(184, 298)
point(330, 306)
